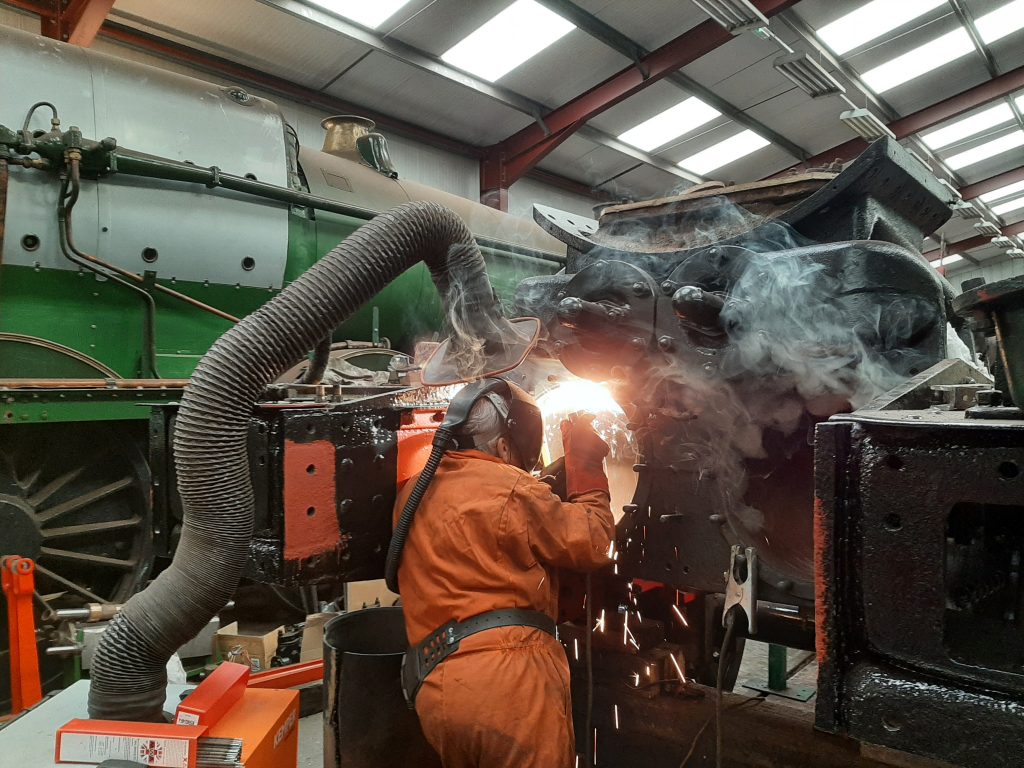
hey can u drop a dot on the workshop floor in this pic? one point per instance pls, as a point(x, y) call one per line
point(754, 667)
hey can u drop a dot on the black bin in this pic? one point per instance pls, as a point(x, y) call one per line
point(366, 721)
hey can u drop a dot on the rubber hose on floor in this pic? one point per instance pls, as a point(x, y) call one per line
point(210, 439)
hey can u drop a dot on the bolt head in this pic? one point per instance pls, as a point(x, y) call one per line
point(638, 343)
point(640, 288)
point(666, 343)
point(668, 287)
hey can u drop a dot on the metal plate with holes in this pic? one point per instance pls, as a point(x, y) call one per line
point(920, 530)
point(194, 234)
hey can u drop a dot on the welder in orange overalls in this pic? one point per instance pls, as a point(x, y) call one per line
point(479, 572)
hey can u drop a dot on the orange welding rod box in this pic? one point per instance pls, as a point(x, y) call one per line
point(215, 696)
point(267, 723)
point(161, 745)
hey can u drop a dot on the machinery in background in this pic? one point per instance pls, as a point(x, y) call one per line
point(141, 213)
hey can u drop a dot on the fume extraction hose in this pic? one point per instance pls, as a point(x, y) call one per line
point(210, 439)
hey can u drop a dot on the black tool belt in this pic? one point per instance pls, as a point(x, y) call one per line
point(421, 659)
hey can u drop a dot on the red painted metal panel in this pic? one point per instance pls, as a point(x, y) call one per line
point(310, 520)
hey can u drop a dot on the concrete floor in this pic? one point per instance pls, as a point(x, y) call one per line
point(754, 667)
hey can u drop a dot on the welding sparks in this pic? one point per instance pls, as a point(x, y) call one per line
point(600, 623)
point(615, 707)
point(576, 648)
point(679, 615)
point(636, 679)
point(679, 670)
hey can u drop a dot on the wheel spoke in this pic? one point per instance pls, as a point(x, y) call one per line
point(53, 486)
point(91, 528)
point(86, 558)
point(84, 500)
point(69, 584)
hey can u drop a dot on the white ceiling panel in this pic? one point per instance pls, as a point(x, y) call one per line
point(645, 183)
point(652, 23)
point(741, 71)
point(401, 90)
point(585, 161)
point(249, 33)
point(811, 123)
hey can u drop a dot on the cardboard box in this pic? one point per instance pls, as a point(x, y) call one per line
point(312, 647)
point(260, 649)
point(267, 722)
point(368, 594)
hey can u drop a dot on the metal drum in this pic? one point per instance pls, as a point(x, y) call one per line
point(366, 721)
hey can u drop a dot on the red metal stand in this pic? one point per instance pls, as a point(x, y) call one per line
point(19, 586)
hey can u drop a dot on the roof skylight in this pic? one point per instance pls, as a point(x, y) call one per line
point(986, 150)
point(370, 15)
point(999, 194)
point(915, 63)
point(1011, 205)
point(969, 126)
point(945, 261)
point(872, 20)
point(1001, 22)
point(674, 122)
point(947, 48)
point(724, 152)
point(517, 34)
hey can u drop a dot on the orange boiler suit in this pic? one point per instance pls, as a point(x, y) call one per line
point(487, 536)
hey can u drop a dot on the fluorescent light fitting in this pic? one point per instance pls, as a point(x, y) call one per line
point(965, 210)
point(515, 35)
point(1011, 205)
point(724, 152)
point(1015, 253)
point(1002, 241)
point(872, 20)
point(674, 122)
point(369, 14)
point(864, 123)
point(969, 126)
point(1001, 22)
point(737, 16)
point(984, 151)
point(808, 75)
point(920, 60)
point(999, 194)
point(987, 228)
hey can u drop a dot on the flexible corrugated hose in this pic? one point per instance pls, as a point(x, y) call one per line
point(210, 439)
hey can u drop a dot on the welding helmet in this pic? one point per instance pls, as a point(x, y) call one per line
point(521, 420)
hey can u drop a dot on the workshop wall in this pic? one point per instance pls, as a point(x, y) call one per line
point(994, 269)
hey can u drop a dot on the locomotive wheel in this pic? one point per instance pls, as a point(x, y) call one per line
point(75, 498)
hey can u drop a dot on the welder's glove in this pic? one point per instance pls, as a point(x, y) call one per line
point(584, 456)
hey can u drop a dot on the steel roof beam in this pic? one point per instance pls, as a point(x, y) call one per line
point(607, 34)
point(992, 183)
point(77, 22)
point(976, 242)
point(810, 37)
point(926, 118)
point(510, 159)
